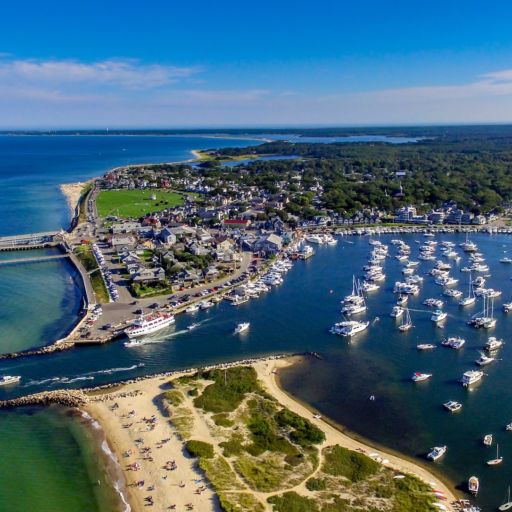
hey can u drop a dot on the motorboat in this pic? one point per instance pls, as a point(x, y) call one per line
point(471, 377)
point(507, 307)
point(425, 346)
point(436, 453)
point(420, 377)
point(453, 406)
point(487, 440)
point(497, 460)
point(505, 259)
point(493, 343)
point(205, 304)
point(349, 328)
point(438, 316)
point(192, 308)
point(397, 311)
point(453, 342)
point(5, 380)
point(473, 485)
point(484, 360)
point(192, 326)
point(437, 303)
point(242, 327)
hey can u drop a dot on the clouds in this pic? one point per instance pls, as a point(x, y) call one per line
point(127, 92)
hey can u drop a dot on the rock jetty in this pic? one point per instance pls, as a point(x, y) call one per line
point(66, 397)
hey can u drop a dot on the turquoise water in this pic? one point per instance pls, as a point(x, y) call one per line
point(51, 463)
point(296, 316)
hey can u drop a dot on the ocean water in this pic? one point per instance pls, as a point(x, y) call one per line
point(296, 316)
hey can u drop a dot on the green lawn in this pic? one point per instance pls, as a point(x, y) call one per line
point(135, 203)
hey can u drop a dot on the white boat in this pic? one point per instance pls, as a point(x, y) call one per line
point(507, 504)
point(497, 460)
point(132, 343)
point(402, 300)
point(205, 304)
point(436, 452)
point(437, 303)
point(420, 377)
point(438, 316)
point(473, 485)
point(367, 286)
point(493, 344)
point(470, 299)
point(5, 380)
point(452, 293)
point(192, 308)
point(239, 299)
point(425, 346)
point(487, 440)
point(453, 342)
point(192, 326)
point(471, 377)
point(349, 328)
point(507, 307)
point(397, 312)
point(242, 327)
point(149, 324)
point(484, 360)
point(315, 239)
point(453, 406)
point(407, 322)
point(505, 259)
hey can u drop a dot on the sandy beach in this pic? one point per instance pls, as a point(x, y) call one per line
point(72, 193)
point(149, 449)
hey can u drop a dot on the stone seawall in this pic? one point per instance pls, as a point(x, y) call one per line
point(68, 398)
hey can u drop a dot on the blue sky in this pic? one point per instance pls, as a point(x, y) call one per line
point(227, 63)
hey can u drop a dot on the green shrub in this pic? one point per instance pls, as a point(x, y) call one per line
point(292, 502)
point(304, 433)
point(193, 392)
point(316, 484)
point(200, 449)
point(339, 461)
point(222, 420)
point(233, 447)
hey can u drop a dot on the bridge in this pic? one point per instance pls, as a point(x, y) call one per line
point(35, 259)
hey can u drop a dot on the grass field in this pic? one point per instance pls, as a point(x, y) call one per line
point(135, 203)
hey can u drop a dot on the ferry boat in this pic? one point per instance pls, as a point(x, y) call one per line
point(436, 453)
point(497, 460)
point(471, 377)
point(425, 346)
point(192, 308)
point(453, 406)
point(487, 440)
point(9, 379)
point(149, 324)
point(493, 344)
point(438, 316)
point(242, 327)
point(473, 485)
point(349, 328)
point(420, 377)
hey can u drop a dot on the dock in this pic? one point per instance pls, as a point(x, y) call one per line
point(35, 259)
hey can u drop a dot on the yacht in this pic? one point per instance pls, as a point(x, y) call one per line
point(471, 377)
point(420, 377)
point(487, 440)
point(306, 252)
point(473, 485)
point(349, 328)
point(453, 406)
point(149, 324)
point(397, 311)
point(438, 303)
point(497, 460)
point(484, 360)
point(242, 327)
point(436, 453)
point(438, 316)
point(9, 379)
point(239, 299)
point(192, 308)
point(453, 342)
point(315, 239)
point(367, 286)
point(507, 307)
point(425, 346)
point(468, 246)
point(493, 344)
point(452, 293)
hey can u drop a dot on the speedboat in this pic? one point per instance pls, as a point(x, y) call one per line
point(453, 342)
point(242, 327)
point(453, 406)
point(192, 326)
point(438, 316)
point(420, 377)
point(132, 343)
point(436, 453)
point(471, 377)
point(487, 440)
point(473, 485)
point(484, 360)
point(5, 380)
point(425, 346)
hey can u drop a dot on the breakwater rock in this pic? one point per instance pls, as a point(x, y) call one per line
point(48, 349)
point(68, 398)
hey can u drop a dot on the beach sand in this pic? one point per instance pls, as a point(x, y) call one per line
point(72, 193)
point(122, 429)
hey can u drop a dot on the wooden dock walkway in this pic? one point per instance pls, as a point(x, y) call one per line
point(35, 259)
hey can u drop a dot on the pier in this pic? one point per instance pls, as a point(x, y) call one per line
point(35, 259)
point(30, 240)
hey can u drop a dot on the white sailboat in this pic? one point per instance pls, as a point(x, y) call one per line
point(407, 322)
point(470, 299)
point(507, 505)
point(497, 460)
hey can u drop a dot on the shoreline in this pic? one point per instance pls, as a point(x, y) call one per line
point(112, 411)
point(73, 193)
